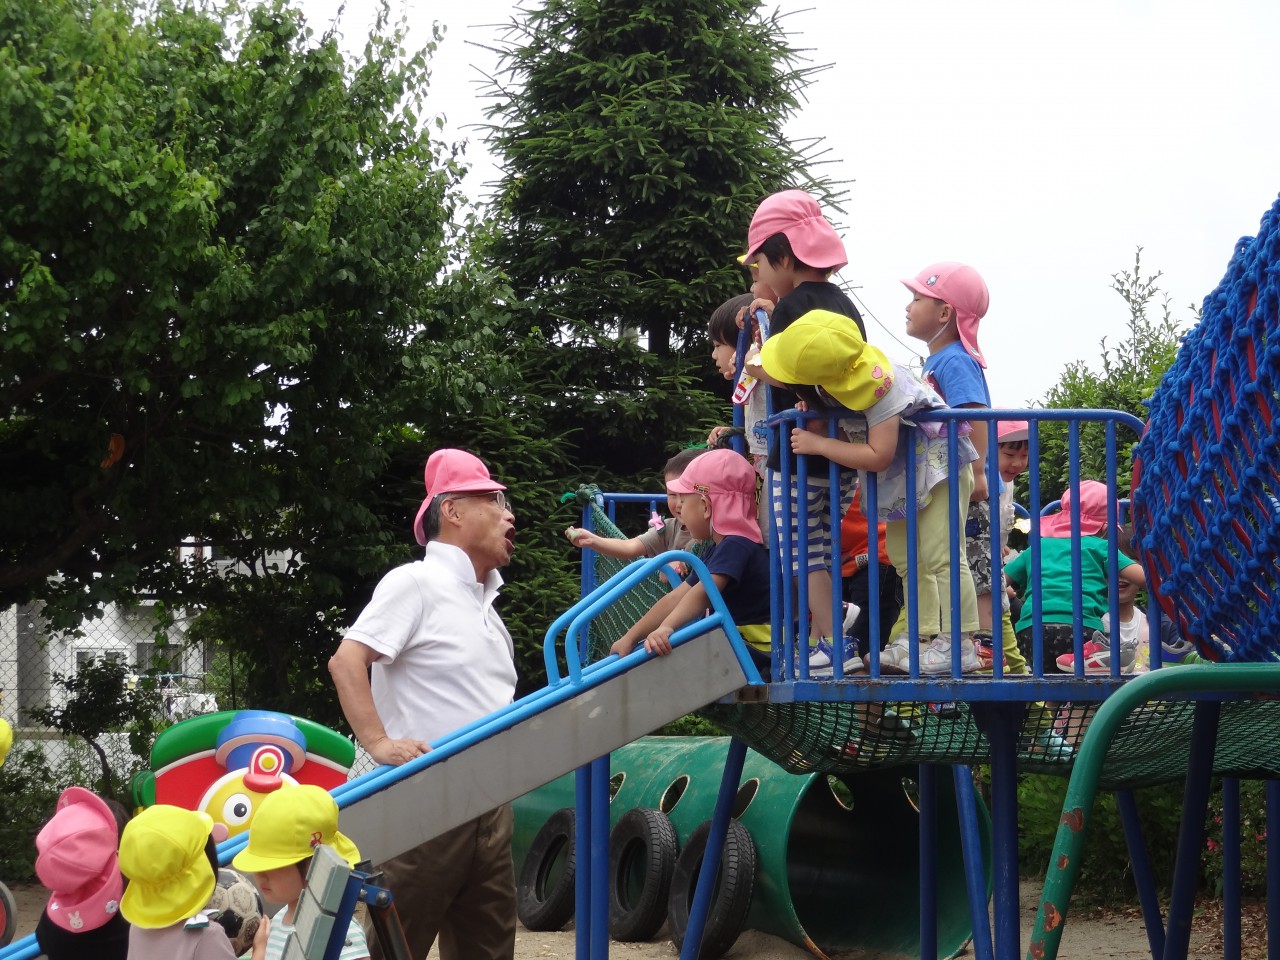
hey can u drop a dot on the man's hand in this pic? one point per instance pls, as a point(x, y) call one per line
point(396, 752)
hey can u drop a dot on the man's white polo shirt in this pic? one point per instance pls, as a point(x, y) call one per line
point(445, 657)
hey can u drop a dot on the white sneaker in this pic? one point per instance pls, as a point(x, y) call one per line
point(851, 611)
point(896, 657)
point(936, 659)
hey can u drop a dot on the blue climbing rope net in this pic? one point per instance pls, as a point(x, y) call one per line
point(1207, 470)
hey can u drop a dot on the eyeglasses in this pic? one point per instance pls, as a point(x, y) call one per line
point(496, 497)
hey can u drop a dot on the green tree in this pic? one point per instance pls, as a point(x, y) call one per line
point(636, 139)
point(227, 273)
point(100, 698)
point(1131, 370)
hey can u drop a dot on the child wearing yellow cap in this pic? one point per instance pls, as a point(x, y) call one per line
point(824, 350)
point(287, 827)
point(171, 859)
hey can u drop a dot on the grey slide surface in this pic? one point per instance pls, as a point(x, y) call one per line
point(542, 747)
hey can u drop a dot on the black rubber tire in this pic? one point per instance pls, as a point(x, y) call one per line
point(8, 915)
point(731, 901)
point(643, 847)
point(545, 899)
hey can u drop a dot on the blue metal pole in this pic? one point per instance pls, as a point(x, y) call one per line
point(1003, 737)
point(582, 862)
point(1230, 868)
point(974, 876)
point(710, 871)
point(600, 858)
point(1186, 868)
point(928, 784)
point(1143, 879)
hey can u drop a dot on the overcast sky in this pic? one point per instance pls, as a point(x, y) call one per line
point(1040, 143)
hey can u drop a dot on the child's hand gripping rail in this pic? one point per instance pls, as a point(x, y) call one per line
point(578, 617)
point(757, 335)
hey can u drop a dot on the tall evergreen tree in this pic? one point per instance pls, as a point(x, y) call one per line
point(636, 138)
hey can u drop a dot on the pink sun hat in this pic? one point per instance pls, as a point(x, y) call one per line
point(1093, 512)
point(1011, 431)
point(452, 471)
point(797, 216)
point(727, 479)
point(76, 860)
point(963, 288)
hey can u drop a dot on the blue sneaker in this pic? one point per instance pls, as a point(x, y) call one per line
point(821, 659)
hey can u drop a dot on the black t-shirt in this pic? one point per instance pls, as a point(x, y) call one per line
point(107, 942)
point(746, 564)
point(810, 295)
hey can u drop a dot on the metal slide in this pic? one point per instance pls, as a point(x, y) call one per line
point(542, 741)
point(568, 723)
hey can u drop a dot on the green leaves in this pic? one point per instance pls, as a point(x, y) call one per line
point(222, 241)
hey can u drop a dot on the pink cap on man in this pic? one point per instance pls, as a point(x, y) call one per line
point(452, 471)
point(76, 860)
point(963, 288)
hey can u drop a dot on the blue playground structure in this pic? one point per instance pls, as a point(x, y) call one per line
point(1205, 510)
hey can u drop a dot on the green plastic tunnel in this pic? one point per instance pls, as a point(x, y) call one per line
point(838, 862)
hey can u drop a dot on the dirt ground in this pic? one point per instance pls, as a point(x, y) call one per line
point(1093, 935)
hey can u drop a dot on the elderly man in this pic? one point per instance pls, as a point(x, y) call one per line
point(428, 655)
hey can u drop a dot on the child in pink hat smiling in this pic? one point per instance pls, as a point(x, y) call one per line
point(795, 250)
point(717, 494)
point(76, 859)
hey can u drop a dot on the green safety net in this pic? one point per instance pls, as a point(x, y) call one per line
point(1151, 747)
point(618, 617)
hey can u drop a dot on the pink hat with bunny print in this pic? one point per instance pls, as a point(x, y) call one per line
point(76, 860)
point(963, 288)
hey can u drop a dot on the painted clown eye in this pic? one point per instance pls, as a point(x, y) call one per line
point(236, 810)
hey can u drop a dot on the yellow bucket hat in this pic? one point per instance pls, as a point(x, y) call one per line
point(825, 349)
point(287, 827)
point(162, 854)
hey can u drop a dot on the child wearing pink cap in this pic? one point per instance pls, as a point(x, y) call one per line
point(718, 502)
point(1055, 585)
point(795, 250)
point(76, 860)
point(670, 536)
point(948, 300)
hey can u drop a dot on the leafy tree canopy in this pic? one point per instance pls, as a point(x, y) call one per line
point(224, 255)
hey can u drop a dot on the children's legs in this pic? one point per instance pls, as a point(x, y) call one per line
point(1014, 662)
point(978, 548)
point(934, 530)
point(812, 554)
point(895, 544)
